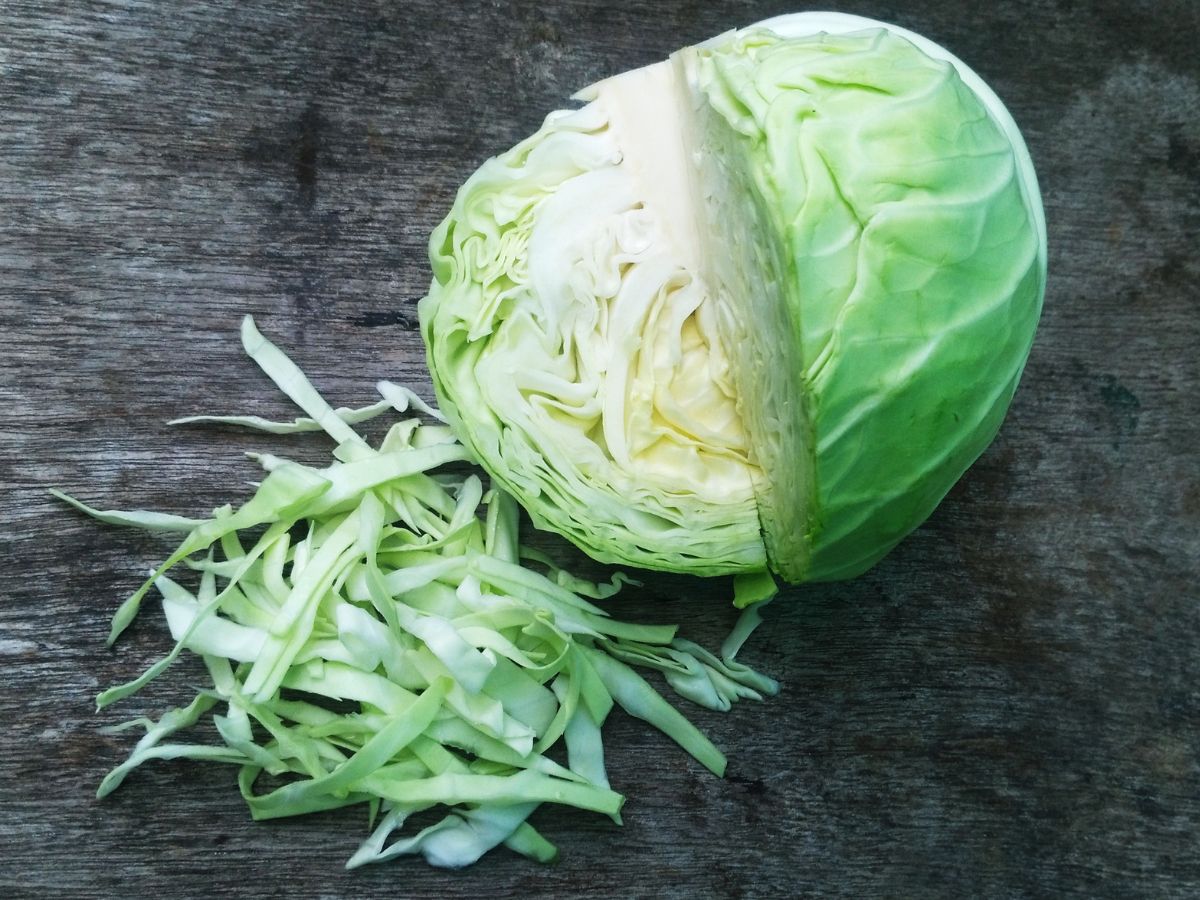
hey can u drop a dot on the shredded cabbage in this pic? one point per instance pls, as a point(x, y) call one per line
point(404, 592)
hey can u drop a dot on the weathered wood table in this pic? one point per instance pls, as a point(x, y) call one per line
point(1008, 706)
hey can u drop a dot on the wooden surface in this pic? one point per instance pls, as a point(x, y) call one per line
point(1008, 706)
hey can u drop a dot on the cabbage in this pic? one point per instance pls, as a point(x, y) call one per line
point(375, 634)
point(757, 306)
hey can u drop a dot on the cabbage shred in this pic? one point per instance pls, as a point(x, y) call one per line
point(388, 584)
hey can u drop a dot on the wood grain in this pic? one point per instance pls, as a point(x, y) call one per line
point(1007, 706)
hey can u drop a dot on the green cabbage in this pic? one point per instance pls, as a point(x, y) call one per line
point(758, 305)
point(375, 634)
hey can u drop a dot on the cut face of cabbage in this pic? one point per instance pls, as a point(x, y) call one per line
point(572, 330)
point(758, 305)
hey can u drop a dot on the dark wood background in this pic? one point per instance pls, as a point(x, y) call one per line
point(1008, 706)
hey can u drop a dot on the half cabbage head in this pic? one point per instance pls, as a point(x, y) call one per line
point(757, 306)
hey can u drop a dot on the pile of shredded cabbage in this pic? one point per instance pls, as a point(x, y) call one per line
point(375, 584)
